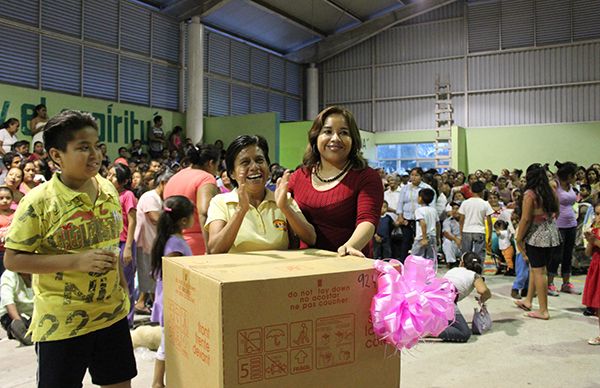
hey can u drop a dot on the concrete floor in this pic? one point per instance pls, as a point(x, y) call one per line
point(518, 352)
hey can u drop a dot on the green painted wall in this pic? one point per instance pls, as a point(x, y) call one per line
point(460, 151)
point(229, 127)
point(119, 123)
point(294, 138)
point(519, 146)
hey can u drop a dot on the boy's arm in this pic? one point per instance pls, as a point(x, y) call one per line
point(95, 260)
point(13, 313)
point(461, 222)
point(128, 249)
point(423, 226)
point(438, 233)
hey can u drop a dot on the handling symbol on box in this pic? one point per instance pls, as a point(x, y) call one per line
point(250, 369)
point(249, 341)
point(301, 360)
point(303, 336)
point(276, 337)
point(276, 364)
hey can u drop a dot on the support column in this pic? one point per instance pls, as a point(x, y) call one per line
point(312, 92)
point(195, 103)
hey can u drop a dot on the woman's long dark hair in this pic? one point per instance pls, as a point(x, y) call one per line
point(123, 174)
point(537, 181)
point(8, 122)
point(565, 170)
point(471, 262)
point(175, 208)
point(201, 154)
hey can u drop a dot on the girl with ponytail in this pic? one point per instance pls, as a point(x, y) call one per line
point(177, 215)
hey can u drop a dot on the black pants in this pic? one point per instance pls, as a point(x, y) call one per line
point(408, 237)
point(564, 254)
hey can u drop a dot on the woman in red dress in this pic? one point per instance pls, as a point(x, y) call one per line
point(340, 195)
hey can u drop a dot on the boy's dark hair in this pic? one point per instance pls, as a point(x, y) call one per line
point(37, 142)
point(471, 262)
point(8, 158)
point(452, 204)
point(4, 188)
point(500, 224)
point(277, 173)
point(426, 195)
point(122, 149)
point(175, 208)
point(585, 186)
point(237, 146)
point(477, 187)
point(157, 119)
point(61, 129)
point(20, 143)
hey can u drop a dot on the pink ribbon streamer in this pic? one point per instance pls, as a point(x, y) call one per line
point(410, 302)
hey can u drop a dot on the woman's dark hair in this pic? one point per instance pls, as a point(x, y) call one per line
point(61, 129)
point(587, 172)
point(518, 172)
point(471, 262)
point(312, 157)
point(428, 178)
point(565, 170)
point(537, 181)
point(8, 190)
point(237, 146)
point(175, 208)
point(44, 169)
point(8, 122)
point(36, 110)
point(123, 174)
point(8, 157)
point(277, 173)
point(203, 153)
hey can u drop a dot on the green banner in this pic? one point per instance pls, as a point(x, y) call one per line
point(118, 123)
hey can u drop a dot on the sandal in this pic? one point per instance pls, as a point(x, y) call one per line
point(535, 315)
point(594, 341)
point(521, 305)
point(143, 311)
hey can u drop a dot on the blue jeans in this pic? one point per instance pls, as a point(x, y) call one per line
point(458, 331)
point(522, 269)
point(427, 251)
point(382, 250)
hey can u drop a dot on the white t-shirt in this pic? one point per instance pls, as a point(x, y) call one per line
point(392, 197)
point(430, 216)
point(440, 204)
point(475, 211)
point(504, 239)
point(13, 290)
point(463, 280)
point(145, 231)
point(7, 139)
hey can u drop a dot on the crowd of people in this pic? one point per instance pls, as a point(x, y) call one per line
point(94, 230)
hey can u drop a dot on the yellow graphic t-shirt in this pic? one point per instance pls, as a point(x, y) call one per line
point(53, 219)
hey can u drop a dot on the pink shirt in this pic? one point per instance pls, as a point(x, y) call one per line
point(187, 182)
point(128, 202)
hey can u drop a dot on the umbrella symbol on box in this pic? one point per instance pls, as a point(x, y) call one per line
point(275, 334)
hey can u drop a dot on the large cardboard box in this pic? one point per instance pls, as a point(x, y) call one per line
point(273, 319)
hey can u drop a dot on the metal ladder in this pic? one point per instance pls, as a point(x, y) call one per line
point(443, 125)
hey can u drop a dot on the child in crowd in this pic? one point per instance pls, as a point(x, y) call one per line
point(427, 230)
point(591, 291)
point(382, 243)
point(585, 194)
point(6, 217)
point(75, 274)
point(475, 213)
point(521, 282)
point(16, 305)
point(120, 177)
point(451, 232)
point(177, 214)
point(465, 278)
point(503, 190)
point(505, 244)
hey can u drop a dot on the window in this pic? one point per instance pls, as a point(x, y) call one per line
point(403, 157)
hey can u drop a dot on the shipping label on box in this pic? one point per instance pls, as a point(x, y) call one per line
point(273, 319)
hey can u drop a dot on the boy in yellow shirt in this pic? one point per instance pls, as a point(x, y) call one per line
point(65, 233)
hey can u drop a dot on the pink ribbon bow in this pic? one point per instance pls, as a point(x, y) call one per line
point(410, 302)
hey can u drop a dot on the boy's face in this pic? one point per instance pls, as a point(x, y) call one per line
point(22, 149)
point(16, 162)
point(82, 159)
point(584, 192)
point(154, 166)
point(137, 144)
point(5, 199)
point(384, 208)
point(454, 211)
